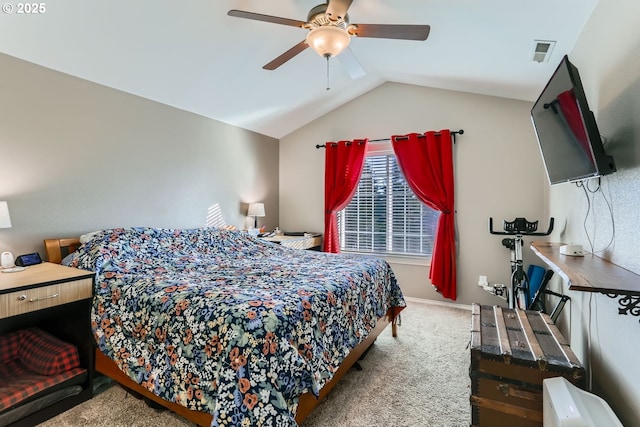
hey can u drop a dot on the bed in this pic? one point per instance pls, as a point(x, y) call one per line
point(224, 328)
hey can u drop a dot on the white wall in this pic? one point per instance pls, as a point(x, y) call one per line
point(76, 156)
point(608, 57)
point(499, 172)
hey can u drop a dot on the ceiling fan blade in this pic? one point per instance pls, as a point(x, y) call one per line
point(286, 56)
point(351, 64)
point(337, 9)
point(266, 18)
point(384, 31)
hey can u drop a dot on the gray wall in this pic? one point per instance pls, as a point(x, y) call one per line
point(608, 57)
point(499, 173)
point(76, 156)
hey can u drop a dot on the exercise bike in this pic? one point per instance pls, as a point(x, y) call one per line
point(518, 291)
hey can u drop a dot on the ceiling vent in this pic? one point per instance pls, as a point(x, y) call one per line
point(542, 50)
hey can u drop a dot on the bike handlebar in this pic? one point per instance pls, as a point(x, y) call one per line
point(521, 226)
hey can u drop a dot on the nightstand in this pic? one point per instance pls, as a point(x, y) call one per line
point(56, 299)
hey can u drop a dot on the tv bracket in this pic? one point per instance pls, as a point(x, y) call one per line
point(518, 228)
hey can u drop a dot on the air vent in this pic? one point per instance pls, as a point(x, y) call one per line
point(542, 50)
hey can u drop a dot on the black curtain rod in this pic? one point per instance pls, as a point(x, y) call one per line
point(454, 133)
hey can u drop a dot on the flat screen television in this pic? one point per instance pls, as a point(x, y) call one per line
point(566, 129)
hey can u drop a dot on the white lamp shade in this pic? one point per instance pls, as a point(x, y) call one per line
point(256, 209)
point(5, 219)
point(328, 40)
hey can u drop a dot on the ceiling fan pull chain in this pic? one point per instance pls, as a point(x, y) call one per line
point(328, 88)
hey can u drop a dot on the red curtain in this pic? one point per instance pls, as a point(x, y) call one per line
point(343, 166)
point(427, 164)
point(571, 113)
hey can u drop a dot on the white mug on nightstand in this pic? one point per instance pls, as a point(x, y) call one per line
point(7, 260)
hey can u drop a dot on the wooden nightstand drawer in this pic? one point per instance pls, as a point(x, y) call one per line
point(33, 299)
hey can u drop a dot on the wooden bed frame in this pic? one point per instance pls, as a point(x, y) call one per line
point(58, 248)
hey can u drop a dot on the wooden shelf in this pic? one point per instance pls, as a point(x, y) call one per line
point(588, 273)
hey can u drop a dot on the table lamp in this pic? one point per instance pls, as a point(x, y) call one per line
point(256, 210)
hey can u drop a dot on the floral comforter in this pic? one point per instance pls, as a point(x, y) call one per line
point(223, 322)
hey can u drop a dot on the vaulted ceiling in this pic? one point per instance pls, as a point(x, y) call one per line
point(191, 55)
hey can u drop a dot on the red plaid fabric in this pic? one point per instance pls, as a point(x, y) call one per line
point(9, 345)
point(45, 354)
point(17, 383)
point(33, 361)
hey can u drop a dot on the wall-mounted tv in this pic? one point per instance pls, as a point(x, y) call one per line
point(566, 129)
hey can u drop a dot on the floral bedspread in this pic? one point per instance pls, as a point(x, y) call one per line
point(223, 322)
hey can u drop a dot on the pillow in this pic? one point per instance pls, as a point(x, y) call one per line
point(67, 260)
point(88, 236)
point(45, 354)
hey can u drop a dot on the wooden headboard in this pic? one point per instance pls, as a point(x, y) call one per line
point(57, 249)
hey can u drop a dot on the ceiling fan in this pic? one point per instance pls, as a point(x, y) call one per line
point(330, 32)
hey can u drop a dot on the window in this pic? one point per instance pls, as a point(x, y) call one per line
point(384, 215)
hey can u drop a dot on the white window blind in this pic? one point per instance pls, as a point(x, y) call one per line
point(384, 215)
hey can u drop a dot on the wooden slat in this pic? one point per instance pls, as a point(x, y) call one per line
point(510, 391)
point(570, 357)
point(532, 340)
point(490, 340)
point(503, 337)
point(507, 408)
point(476, 328)
point(517, 338)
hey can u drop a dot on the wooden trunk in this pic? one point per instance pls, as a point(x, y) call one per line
point(512, 351)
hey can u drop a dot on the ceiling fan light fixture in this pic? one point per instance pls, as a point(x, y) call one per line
point(328, 40)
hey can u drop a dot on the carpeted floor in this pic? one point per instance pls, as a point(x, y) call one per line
point(419, 379)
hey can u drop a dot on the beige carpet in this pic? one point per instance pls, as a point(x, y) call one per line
point(419, 379)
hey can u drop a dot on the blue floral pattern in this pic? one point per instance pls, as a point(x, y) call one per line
point(223, 322)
